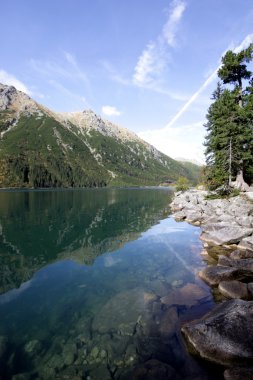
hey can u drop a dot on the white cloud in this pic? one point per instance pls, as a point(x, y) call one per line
point(185, 141)
point(110, 111)
point(170, 28)
point(11, 80)
point(155, 56)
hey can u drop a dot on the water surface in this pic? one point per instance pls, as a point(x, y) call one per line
point(95, 285)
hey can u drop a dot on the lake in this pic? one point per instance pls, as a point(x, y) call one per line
point(95, 285)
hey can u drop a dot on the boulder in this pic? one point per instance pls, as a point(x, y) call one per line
point(239, 373)
point(225, 335)
point(246, 243)
point(226, 235)
point(213, 275)
point(239, 254)
point(245, 264)
point(234, 289)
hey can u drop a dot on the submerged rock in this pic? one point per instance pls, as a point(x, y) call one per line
point(234, 289)
point(154, 369)
point(122, 312)
point(224, 335)
point(188, 295)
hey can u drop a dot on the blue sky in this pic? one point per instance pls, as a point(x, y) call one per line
point(147, 65)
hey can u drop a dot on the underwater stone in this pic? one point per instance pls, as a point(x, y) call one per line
point(94, 352)
point(32, 347)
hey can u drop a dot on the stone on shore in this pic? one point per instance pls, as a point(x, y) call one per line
point(245, 264)
point(234, 289)
point(225, 335)
point(213, 275)
point(239, 254)
point(226, 235)
point(238, 373)
point(246, 243)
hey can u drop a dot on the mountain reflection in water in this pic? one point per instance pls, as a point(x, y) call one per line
point(95, 285)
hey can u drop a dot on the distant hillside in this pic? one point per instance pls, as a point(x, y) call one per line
point(193, 169)
point(40, 148)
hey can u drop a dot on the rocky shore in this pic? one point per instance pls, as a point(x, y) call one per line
point(225, 335)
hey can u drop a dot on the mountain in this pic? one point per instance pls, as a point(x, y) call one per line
point(41, 148)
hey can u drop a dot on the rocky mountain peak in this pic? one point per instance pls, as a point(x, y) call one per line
point(11, 98)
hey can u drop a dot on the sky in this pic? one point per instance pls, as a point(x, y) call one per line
point(146, 65)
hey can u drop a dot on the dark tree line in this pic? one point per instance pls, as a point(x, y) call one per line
point(229, 139)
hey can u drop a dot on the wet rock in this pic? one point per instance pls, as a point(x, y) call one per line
point(238, 373)
point(154, 369)
point(32, 347)
point(213, 275)
point(130, 355)
point(239, 254)
point(168, 322)
point(245, 264)
point(121, 313)
point(224, 335)
point(246, 243)
point(227, 235)
point(234, 289)
point(94, 352)
point(188, 295)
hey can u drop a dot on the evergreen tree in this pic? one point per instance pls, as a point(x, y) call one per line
point(229, 145)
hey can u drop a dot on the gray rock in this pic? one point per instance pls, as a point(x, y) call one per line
point(226, 235)
point(224, 335)
point(244, 221)
point(250, 288)
point(239, 254)
point(213, 275)
point(246, 243)
point(234, 289)
point(179, 216)
point(238, 373)
point(245, 264)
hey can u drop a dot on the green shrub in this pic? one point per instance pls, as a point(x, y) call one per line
point(182, 184)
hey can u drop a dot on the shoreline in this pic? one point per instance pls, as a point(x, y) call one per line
point(224, 336)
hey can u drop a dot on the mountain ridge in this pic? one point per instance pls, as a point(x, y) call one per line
point(42, 148)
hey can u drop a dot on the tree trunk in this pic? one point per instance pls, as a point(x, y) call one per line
point(239, 183)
